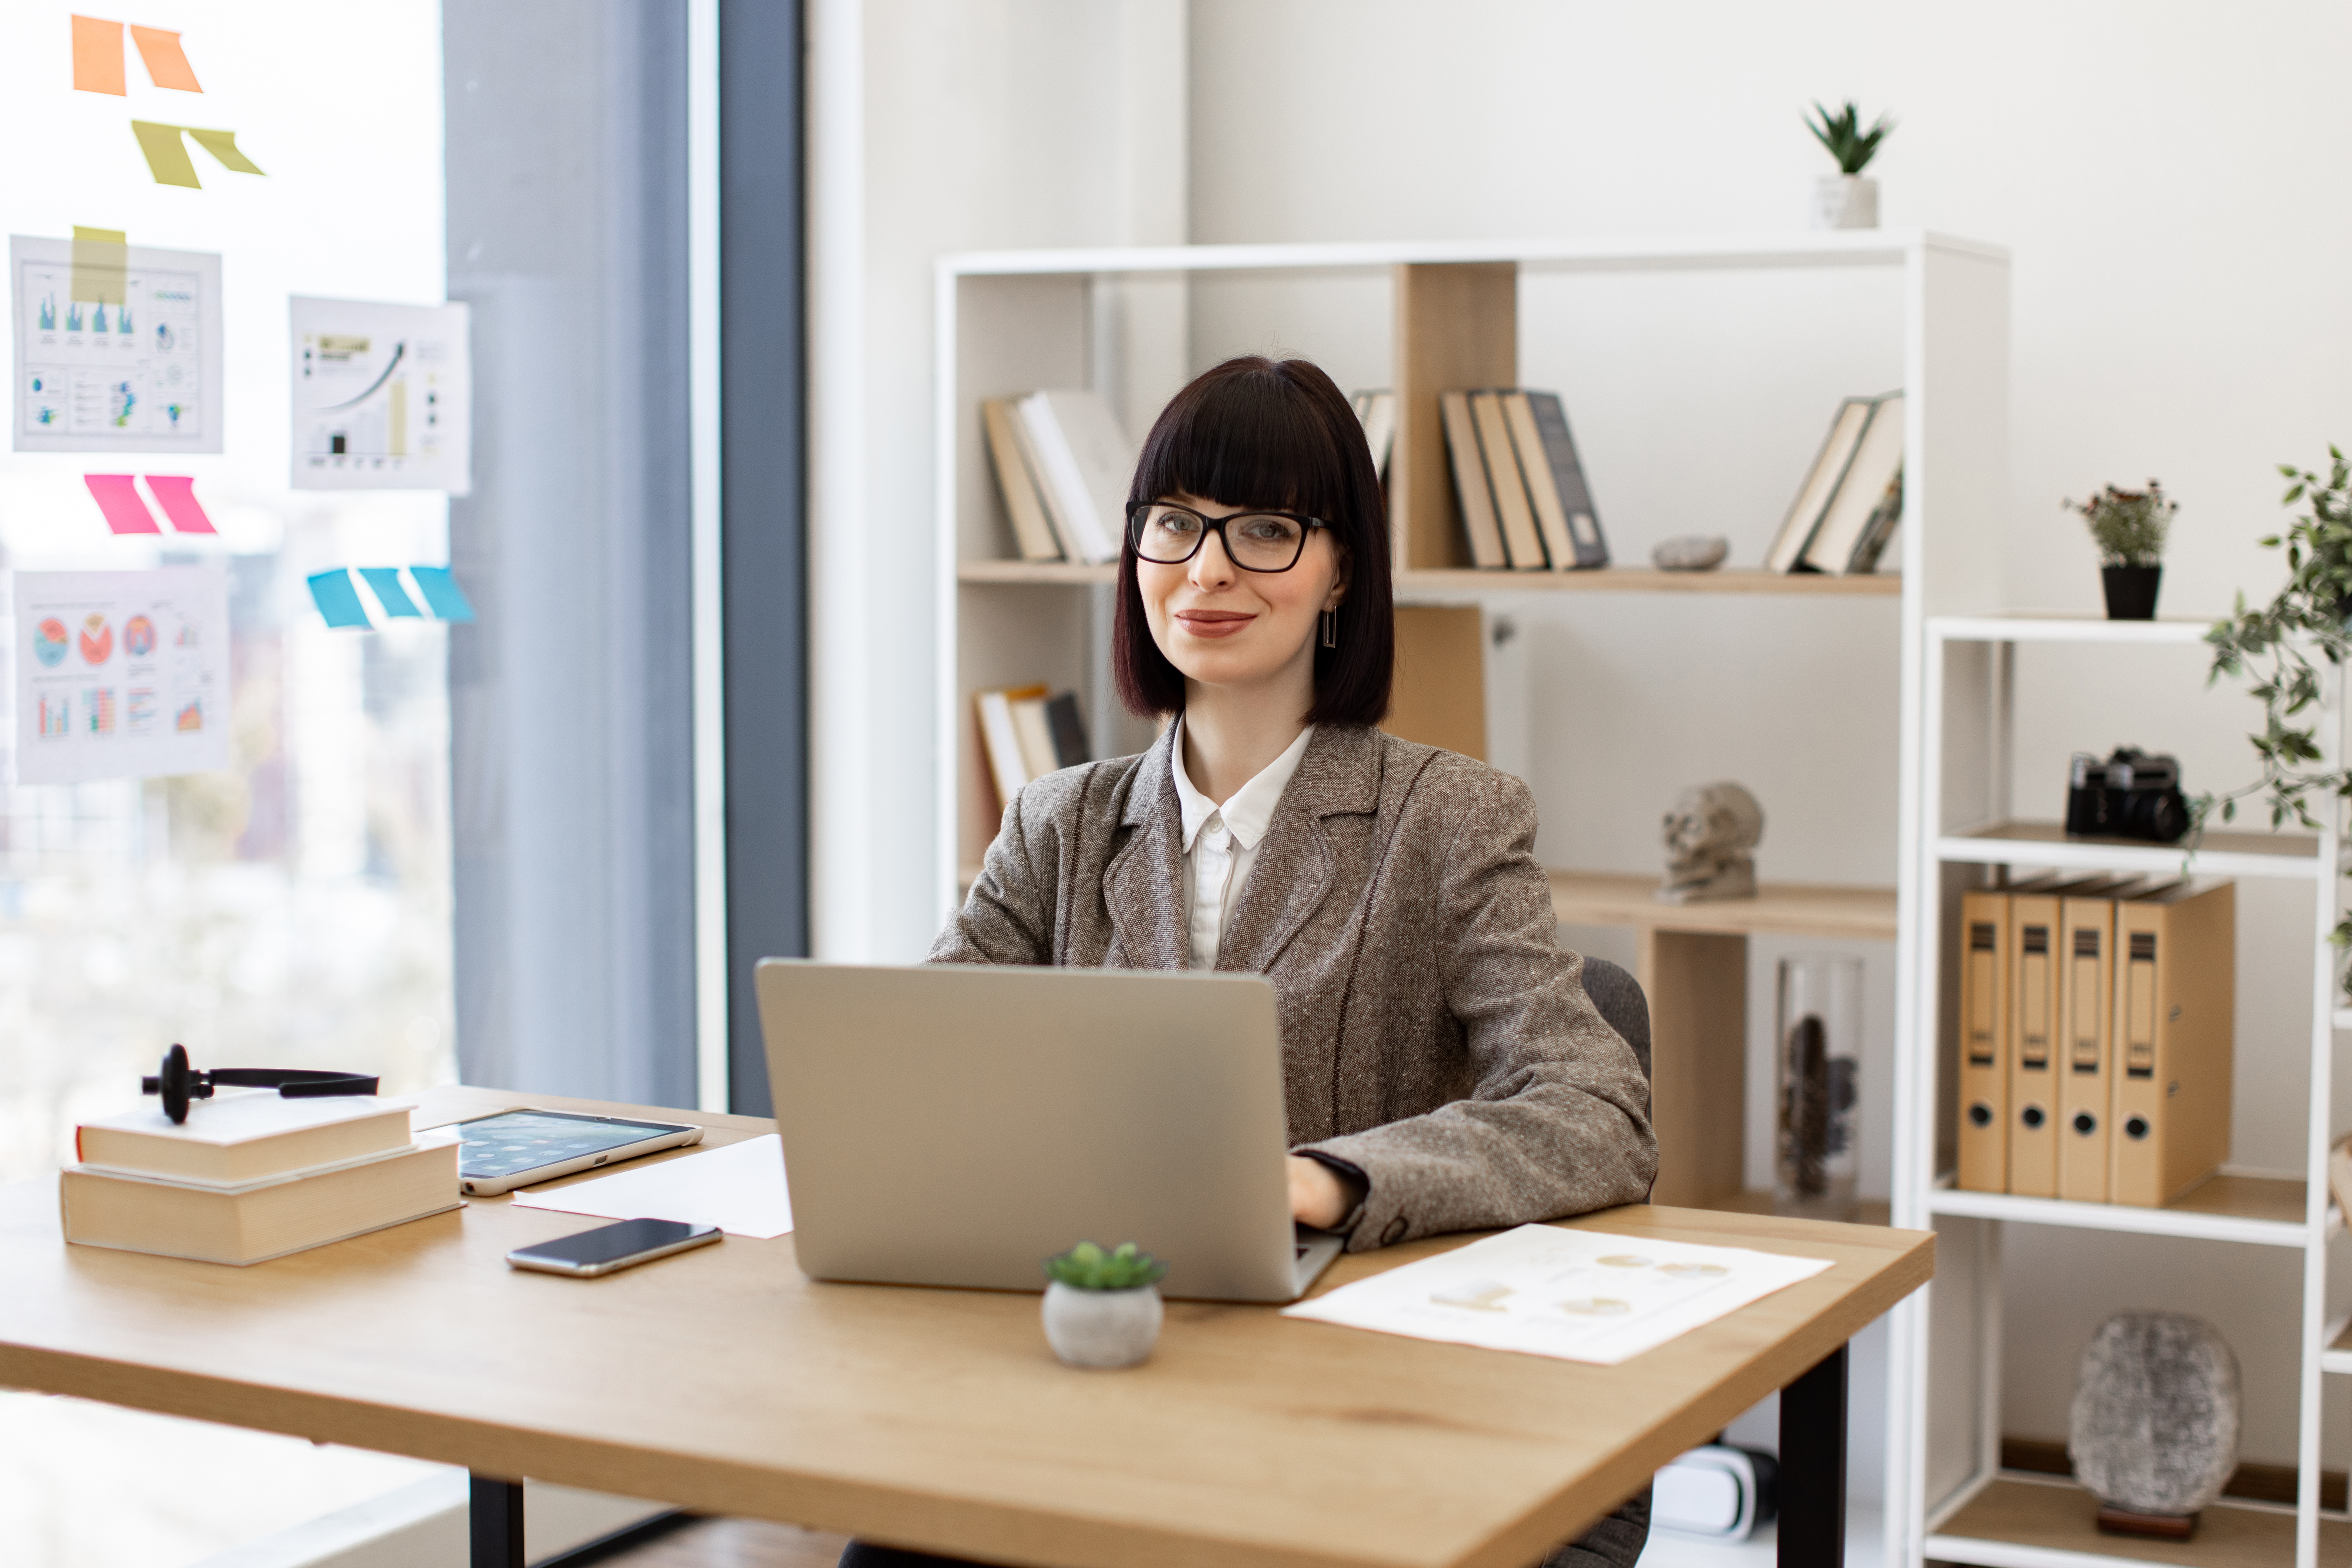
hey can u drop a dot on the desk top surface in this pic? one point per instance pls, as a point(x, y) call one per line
point(723, 1380)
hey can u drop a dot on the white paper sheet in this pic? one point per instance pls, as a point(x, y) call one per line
point(383, 397)
point(1574, 1294)
point(122, 356)
point(119, 675)
point(738, 1189)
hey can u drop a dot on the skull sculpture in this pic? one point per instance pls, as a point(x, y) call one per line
point(1711, 835)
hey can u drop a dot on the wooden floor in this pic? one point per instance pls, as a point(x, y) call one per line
point(734, 1543)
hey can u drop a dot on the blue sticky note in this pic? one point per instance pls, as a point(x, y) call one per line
point(386, 581)
point(442, 595)
point(338, 599)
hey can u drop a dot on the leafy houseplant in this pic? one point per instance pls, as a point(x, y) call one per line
point(2272, 647)
point(1102, 1309)
point(1847, 199)
point(2128, 527)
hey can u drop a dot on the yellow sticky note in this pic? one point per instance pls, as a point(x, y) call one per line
point(222, 144)
point(167, 63)
point(100, 261)
point(167, 155)
point(98, 55)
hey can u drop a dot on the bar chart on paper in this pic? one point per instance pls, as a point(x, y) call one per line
point(382, 396)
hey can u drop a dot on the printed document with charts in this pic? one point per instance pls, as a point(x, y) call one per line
point(1578, 1295)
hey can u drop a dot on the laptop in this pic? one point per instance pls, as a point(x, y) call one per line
point(958, 1124)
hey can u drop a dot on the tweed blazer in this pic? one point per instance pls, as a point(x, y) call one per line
point(1434, 1035)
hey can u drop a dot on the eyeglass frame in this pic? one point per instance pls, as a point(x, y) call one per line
point(1216, 525)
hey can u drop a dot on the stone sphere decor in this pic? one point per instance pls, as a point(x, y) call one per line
point(2153, 1432)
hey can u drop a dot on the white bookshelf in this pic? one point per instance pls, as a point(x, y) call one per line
point(1007, 322)
point(1967, 1509)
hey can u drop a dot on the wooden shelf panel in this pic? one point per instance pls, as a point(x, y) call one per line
point(1798, 908)
point(2337, 1356)
point(2220, 854)
point(2018, 1523)
point(2263, 1210)
point(1449, 580)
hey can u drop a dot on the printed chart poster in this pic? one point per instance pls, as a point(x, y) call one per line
point(120, 674)
point(383, 397)
point(116, 347)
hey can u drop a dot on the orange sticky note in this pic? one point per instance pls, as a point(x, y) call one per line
point(98, 55)
point(167, 63)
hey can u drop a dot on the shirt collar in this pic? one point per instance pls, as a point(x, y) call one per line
point(1251, 810)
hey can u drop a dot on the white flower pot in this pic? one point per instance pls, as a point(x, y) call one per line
point(1101, 1327)
point(1845, 201)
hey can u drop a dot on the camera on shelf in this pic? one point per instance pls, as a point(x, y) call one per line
point(2132, 794)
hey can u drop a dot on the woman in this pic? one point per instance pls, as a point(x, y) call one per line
point(1443, 1067)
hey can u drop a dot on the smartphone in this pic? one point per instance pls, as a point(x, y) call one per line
point(523, 1148)
point(589, 1253)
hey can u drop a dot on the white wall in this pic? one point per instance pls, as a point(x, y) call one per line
point(2166, 176)
point(936, 126)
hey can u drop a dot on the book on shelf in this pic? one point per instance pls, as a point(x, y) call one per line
point(242, 1136)
point(252, 1221)
point(1555, 480)
point(1852, 497)
point(2176, 1000)
point(1377, 411)
point(1471, 491)
point(1084, 464)
point(1016, 481)
point(1513, 511)
point(1026, 733)
point(1876, 473)
point(1525, 503)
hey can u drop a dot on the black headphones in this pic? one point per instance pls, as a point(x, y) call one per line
point(179, 1083)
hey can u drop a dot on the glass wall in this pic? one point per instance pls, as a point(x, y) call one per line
point(293, 910)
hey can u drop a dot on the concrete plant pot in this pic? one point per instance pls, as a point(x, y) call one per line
point(1101, 1327)
point(1845, 201)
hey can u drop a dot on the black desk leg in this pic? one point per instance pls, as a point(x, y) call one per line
point(1813, 1467)
point(496, 1523)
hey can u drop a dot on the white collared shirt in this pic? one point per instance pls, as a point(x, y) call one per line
point(1221, 842)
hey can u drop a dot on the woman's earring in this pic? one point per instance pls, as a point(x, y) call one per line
point(1330, 628)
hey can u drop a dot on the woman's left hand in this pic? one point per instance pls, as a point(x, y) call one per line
point(1318, 1196)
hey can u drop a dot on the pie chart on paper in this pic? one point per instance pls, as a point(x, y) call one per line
point(51, 643)
point(97, 639)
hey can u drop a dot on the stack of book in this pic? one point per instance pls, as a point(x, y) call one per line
point(1525, 504)
point(1028, 734)
point(1063, 465)
point(1848, 507)
point(251, 1176)
point(2095, 1037)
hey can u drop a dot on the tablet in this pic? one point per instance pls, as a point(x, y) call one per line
point(523, 1148)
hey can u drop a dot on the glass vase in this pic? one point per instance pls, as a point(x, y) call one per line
point(1818, 1103)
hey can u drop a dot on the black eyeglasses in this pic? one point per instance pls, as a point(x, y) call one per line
point(1253, 540)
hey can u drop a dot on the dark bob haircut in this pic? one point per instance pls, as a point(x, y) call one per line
point(1276, 434)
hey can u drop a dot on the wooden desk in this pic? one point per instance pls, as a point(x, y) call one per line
point(723, 1381)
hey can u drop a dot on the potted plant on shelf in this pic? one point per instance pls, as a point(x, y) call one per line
point(2273, 646)
point(2129, 526)
point(1102, 1309)
point(1845, 199)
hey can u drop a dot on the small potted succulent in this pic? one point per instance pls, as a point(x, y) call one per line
point(1102, 1309)
point(2129, 526)
point(1845, 199)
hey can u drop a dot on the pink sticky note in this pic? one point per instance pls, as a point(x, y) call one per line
point(118, 498)
point(177, 494)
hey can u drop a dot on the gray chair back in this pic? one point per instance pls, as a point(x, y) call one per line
point(1618, 996)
